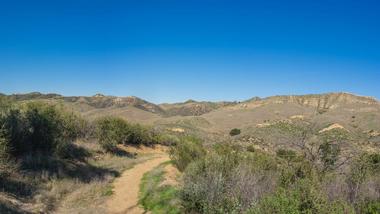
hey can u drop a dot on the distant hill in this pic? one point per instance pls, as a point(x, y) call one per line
point(193, 108)
point(100, 101)
point(348, 110)
point(323, 101)
point(322, 108)
point(97, 101)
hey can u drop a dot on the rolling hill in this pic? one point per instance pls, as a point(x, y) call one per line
point(267, 124)
point(350, 111)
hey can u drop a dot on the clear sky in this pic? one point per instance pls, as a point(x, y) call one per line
point(173, 50)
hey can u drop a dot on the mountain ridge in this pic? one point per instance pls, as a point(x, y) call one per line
point(33, 95)
point(321, 102)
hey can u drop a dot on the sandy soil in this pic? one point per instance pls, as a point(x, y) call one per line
point(126, 187)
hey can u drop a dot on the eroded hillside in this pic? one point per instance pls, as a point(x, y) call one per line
point(351, 111)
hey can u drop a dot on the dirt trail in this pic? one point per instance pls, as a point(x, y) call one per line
point(127, 186)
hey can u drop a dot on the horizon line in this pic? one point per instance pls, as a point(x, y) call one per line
point(191, 99)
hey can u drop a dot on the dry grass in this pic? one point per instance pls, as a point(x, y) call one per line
point(83, 190)
point(90, 197)
point(84, 197)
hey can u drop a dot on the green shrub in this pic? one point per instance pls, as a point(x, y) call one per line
point(37, 127)
point(112, 131)
point(4, 147)
point(296, 172)
point(279, 203)
point(45, 128)
point(227, 180)
point(166, 139)
point(230, 179)
point(288, 155)
point(370, 207)
point(235, 132)
point(303, 197)
point(4, 156)
point(363, 167)
point(138, 135)
point(75, 126)
point(329, 155)
point(251, 148)
point(364, 176)
point(187, 150)
point(374, 162)
point(335, 135)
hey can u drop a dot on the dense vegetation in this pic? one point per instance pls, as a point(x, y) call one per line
point(113, 131)
point(187, 150)
point(313, 176)
point(37, 128)
point(47, 152)
point(49, 130)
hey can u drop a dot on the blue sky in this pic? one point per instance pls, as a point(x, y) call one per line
point(173, 50)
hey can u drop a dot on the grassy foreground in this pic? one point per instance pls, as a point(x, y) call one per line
point(85, 190)
point(90, 197)
point(54, 160)
point(156, 196)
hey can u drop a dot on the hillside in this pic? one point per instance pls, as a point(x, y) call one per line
point(351, 111)
point(214, 120)
point(193, 108)
point(89, 173)
point(324, 108)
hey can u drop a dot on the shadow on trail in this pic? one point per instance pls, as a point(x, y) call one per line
point(6, 208)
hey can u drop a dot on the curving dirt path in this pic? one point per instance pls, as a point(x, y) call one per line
point(127, 186)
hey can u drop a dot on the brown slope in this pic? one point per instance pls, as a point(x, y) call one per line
point(193, 108)
point(324, 108)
